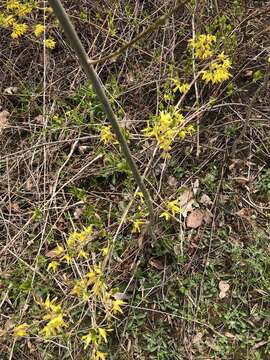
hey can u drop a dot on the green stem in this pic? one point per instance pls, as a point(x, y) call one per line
point(98, 87)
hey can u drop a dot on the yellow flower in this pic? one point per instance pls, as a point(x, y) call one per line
point(12, 5)
point(140, 195)
point(164, 130)
point(99, 355)
point(53, 265)
point(106, 135)
point(87, 339)
point(23, 9)
point(171, 208)
point(80, 238)
point(105, 251)
point(166, 215)
point(54, 326)
point(50, 43)
point(99, 288)
point(102, 334)
point(203, 45)
point(50, 304)
point(80, 289)
point(20, 330)
point(218, 70)
point(67, 258)
point(182, 88)
point(83, 254)
point(136, 226)
point(9, 20)
point(18, 30)
point(167, 97)
point(117, 306)
point(39, 29)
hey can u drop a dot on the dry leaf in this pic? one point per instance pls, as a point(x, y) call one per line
point(172, 182)
point(120, 296)
point(4, 115)
point(196, 186)
point(156, 264)
point(10, 90)
point(259, 344)
point(186, 200)
point(207, 216)
point(224, 288)
point(39, 119)
point(205, 200)
point(77, 213)
point(29, 184)
point(195, 219)
point(197, 338)
point(229, 335)
point(15, 207)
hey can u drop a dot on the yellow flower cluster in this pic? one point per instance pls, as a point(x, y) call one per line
point(95, 337)
point(98, 336)
point(172, 208)
point(19, 8)
point(218, 70)
point(39, 29)
point(75, 248)
point(20, 330)
point(106, 134)
point(15, 11)
point(18, 30)
point(203, 45)
point(50, 43)
point(182, 88)
point(54, 316)
point(166, 128)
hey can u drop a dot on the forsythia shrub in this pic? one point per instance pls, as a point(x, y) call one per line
point(16, 17)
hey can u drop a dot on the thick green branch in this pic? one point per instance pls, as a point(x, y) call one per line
point(85, 62)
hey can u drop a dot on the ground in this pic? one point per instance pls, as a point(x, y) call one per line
point(72, 226)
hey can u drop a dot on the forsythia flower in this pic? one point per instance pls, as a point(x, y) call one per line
point(106, 135)
point(99, 355)
point(83, 254)
point(102, 334)
point(203, 45)
point(54, 326)
point(80, 238)
point(105, 251)
point(39, 29)
point(20, 330)
point(117, 306)
point(183, 88)
point(140, 195)
point(50, 43)
point(53, 265)
point(218, 70)
point(80, 289)
point(50, 305)
point(165, 129)
point(18, 30)
point(9, 20)
point(136, 226)
point(171, 208)
point(24, 9)
point(12, 5)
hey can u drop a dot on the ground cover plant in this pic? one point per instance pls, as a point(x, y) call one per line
point(80, 275)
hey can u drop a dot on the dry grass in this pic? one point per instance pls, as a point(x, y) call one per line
point(55, 177)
